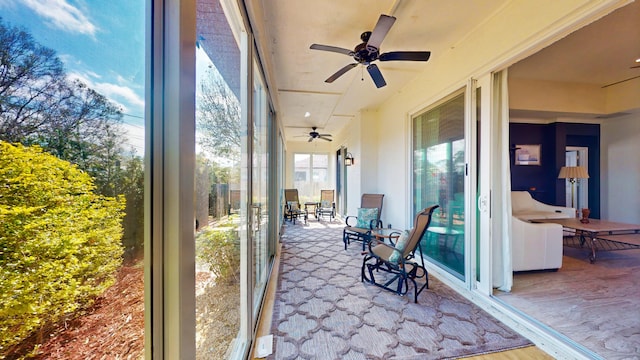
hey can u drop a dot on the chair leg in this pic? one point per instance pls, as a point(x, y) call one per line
point(363, 276)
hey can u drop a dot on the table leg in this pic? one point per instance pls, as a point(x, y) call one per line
point(593, 236)
point(590, 237)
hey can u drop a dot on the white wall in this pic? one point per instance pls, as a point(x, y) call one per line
point(516, 31)
point(620, 164)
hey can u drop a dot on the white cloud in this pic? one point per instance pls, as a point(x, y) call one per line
point(62, 15)
point(134, 137)
point(119, 94)
point(118, 91)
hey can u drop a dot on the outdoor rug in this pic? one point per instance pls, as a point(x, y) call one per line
point(323, 311)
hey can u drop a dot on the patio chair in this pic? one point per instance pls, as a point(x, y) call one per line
point(292, 208)
point(398, 261)
point(326, 206)
point(359, 227)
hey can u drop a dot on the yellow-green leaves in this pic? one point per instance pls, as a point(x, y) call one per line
point(60, 243)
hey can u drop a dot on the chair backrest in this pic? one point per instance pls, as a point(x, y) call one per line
point(291, 195)
point(521, 201)
point(420, 225)
point(234, 199)
point(326, 195)
point(370, 201)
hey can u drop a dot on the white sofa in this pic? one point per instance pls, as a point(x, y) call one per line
point(524, 207)
point(536, 246)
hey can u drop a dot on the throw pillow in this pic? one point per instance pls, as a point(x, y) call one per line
point(293, 205)
point(325, 204)
point(365, 216)
point(401, 244)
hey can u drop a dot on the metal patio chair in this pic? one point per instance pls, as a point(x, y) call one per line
point(398, 262)
point(359, 227)
point(326, 206)
point(292, 208)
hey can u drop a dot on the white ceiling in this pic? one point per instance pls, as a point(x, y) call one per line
point(600, 53)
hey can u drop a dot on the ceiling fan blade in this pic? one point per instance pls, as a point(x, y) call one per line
point(325, 135)
point(405, 56)
point(340, 72)
point(335, 49)
point(376, 75)
point(310, 139)
point(324, 138)
point(380, 31)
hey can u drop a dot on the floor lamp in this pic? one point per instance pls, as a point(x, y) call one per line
point(573, 173)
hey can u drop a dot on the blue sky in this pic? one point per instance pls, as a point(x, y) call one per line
point(101, 42)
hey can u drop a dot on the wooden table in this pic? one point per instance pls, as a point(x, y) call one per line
point(595, 230)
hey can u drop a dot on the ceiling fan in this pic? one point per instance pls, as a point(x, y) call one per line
point(316, 135)
point(369, 51)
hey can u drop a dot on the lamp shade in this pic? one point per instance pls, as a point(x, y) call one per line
point(573, 172)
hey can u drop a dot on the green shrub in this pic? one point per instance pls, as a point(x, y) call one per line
point(219, 248)
point(59, 241)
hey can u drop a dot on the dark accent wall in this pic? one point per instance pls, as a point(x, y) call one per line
point(542, 181)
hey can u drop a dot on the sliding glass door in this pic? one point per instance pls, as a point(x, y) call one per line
point(222, 208)
point(260, 184)
point(439, 178)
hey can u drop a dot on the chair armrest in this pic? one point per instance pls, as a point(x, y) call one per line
point(346, 221)
point(378, 242)
point(568, 211)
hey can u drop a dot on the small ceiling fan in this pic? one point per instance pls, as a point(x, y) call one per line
point(316, 135)
point(369, 51)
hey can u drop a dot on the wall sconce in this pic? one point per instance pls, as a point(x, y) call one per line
point(348, 159)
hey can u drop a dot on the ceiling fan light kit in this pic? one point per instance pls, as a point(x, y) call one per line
point(369, 51)
point(316, 135)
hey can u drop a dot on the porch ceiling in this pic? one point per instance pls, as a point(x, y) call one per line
point(601, 53)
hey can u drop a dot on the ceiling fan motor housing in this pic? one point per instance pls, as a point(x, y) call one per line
point(364, 55)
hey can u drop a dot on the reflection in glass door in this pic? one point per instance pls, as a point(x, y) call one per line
point(259, 185)
point(221, 189)
point(439, 178)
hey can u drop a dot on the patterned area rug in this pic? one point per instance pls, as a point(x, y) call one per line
point(323, 311)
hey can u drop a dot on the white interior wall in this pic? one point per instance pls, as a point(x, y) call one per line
point(620, 167)
point(528, 94)
point(623, 96)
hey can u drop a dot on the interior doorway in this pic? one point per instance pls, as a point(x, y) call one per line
point(577, 156)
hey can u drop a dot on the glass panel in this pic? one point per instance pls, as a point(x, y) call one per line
point(221, 185)
point(71, 178)
point(478, 167)
point(260, 183)
point(439, 167)
point(311, 175)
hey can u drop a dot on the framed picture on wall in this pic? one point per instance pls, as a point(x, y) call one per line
point(528, 154)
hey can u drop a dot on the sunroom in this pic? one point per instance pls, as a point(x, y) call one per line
point(452, 111)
